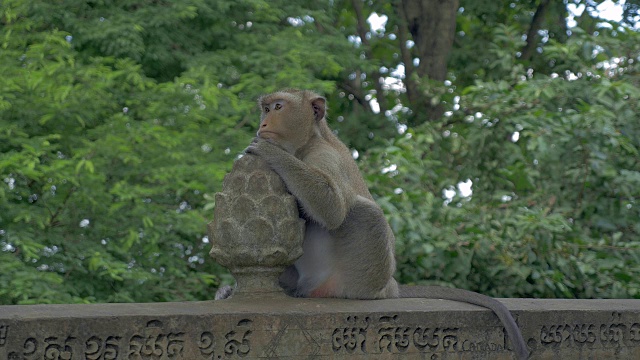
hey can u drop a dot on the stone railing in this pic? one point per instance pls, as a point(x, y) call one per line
point(256, 233)
point(289, 328)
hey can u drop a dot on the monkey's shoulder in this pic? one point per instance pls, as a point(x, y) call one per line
point(320, 153)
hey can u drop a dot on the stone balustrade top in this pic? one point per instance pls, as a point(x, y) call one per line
point(287, 328)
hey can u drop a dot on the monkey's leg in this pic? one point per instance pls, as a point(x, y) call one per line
point(316, 266)
point(289, 280)
point(364, 252)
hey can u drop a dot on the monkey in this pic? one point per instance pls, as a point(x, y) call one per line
point(348, 247)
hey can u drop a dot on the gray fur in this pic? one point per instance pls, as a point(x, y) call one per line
point(349, 246)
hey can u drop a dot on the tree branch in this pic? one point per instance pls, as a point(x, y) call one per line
point(375, 75)
point(52, 219)
point(357, 93)
point(536, 24)
point(407, 60)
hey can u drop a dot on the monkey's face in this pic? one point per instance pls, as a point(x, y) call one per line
point(289, 118)
point(273, 120)
point(284, 122)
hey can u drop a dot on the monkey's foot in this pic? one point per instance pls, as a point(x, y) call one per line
point(223, 292)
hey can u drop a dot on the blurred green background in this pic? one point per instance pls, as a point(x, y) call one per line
point(501, 138)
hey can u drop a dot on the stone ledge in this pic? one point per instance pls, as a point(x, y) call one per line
point(287, 328)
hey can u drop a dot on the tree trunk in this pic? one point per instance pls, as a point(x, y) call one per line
point(532, 34)
point(432, 25)
point(375, 75)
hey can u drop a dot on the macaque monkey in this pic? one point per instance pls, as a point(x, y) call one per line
point(348, 249)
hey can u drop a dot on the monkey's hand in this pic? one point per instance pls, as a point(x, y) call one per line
point(265, 149)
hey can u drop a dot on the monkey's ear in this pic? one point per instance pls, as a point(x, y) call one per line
point(319, 105)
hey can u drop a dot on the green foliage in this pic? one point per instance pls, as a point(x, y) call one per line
point(119, 119)
point(103, 171)
point(554, 212)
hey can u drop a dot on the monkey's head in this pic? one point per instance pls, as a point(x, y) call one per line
point(289, 118)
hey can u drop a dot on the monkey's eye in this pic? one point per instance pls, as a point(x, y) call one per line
point(266, 109)
point(278, 106)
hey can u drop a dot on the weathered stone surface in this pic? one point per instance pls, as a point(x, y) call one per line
point(256, 231)
point(291, 328)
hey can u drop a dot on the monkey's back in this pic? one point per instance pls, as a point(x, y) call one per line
point(351, 170)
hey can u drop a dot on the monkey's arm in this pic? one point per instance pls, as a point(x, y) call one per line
point(322, 198)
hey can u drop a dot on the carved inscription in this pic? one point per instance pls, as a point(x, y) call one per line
point(390, 336)
point(470, 345)
point(359, 335)
point(397, 338)
point(351, 337)
point(579, 334)
point(4, 330)
point(153, 343)
point(238, 344)
point(426, 339)
point(97, 348)
point(614, 334)
point(608, 335)
point(30, 347)
point(58, 349)
point(634, 334)
point(52, 348)
point(207, 344)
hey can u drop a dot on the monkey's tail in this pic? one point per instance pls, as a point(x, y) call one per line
point(470, 297)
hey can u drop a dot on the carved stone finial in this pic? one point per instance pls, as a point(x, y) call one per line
point(256, 230)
